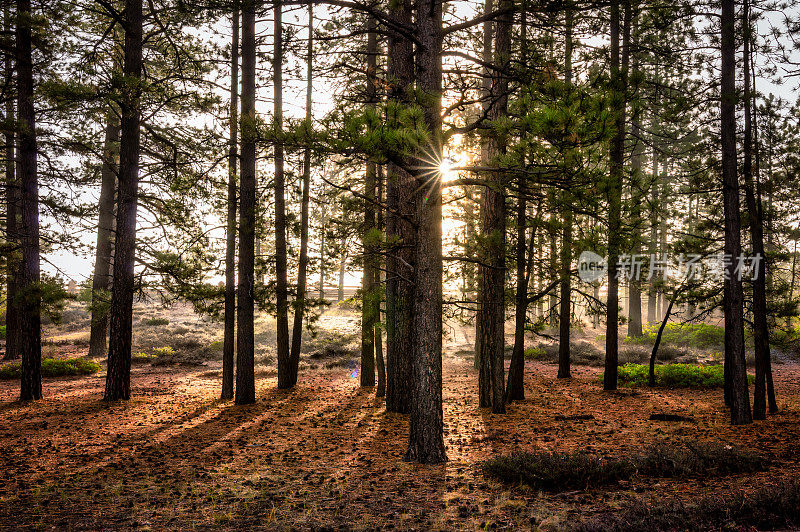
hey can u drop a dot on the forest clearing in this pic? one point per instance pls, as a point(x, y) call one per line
point(327, 455)
point(400, 264)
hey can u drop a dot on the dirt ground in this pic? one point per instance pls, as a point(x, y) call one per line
point(327, 455)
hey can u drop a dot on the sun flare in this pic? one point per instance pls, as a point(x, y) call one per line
point(447, 169)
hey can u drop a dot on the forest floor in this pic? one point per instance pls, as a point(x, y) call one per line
point(327, 455)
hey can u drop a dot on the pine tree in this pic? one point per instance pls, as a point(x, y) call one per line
point(118, 377)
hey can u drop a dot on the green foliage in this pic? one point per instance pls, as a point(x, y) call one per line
point(164, 356)
point(2, 332)
point(53, 367)
point(54, 296)
point(163, 351)
point(142, 358)
point(786, 338)
point(675, 376)
point(698, 335)
point(534, 353)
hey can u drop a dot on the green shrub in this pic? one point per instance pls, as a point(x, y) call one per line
point(166, 356)
point(2, 332)
point(675, 376)
point(53, 367)
point(142, 358)
point(698, 335)
point(156, 321)
point(534, 353)
point(165, 351)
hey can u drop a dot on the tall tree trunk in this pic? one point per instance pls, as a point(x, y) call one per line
point(565, 319)
point(118, 377)
point(494, 223)
point(515, 389)
point(229, 338)
point(760, 325)
point(368, 239)
point(281, 282)
point(552, 256)
point(245, 371)
point(617, 155)
point(483, 366)
point(378, 335)
point(13, 199)
point(323, 220)
point(342, 264)
point(101, 280)
point(655, 213)
point(399, 231)
point(426, 422)
point(634, 288)
point(735, 367)
point(300, 299)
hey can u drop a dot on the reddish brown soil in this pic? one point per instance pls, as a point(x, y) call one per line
point(327, 454)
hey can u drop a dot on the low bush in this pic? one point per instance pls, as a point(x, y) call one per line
point(165, 356)
point(156, 321)
point(53, 367)
point(553, 471)
point(697, 459)
point(675, 376)
point(142, 358)
point(535, 353)
point(332, 344)
point(2, 332)
point(767, 508)
point(641, 353)
point(698, 335)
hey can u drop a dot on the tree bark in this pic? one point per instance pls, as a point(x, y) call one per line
point(654, 353)
point(30, 339)
point(426, 422)
point(735, 366)
point(118, 377)
point(483, 366)
point(300, 298)
point(756, 219)
point(617, 154)
point(515, 389)
point(379, 361)
point(323, 216)
point(12, 220)
point(368, 318)
point(229, 338)
point(342, 264)
point(102, 278)
point(652, 293)
point(634, 288)
point(245, 371)
point(281, 282)
point(565, 318)
point(399, 231)
point(494, 223)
